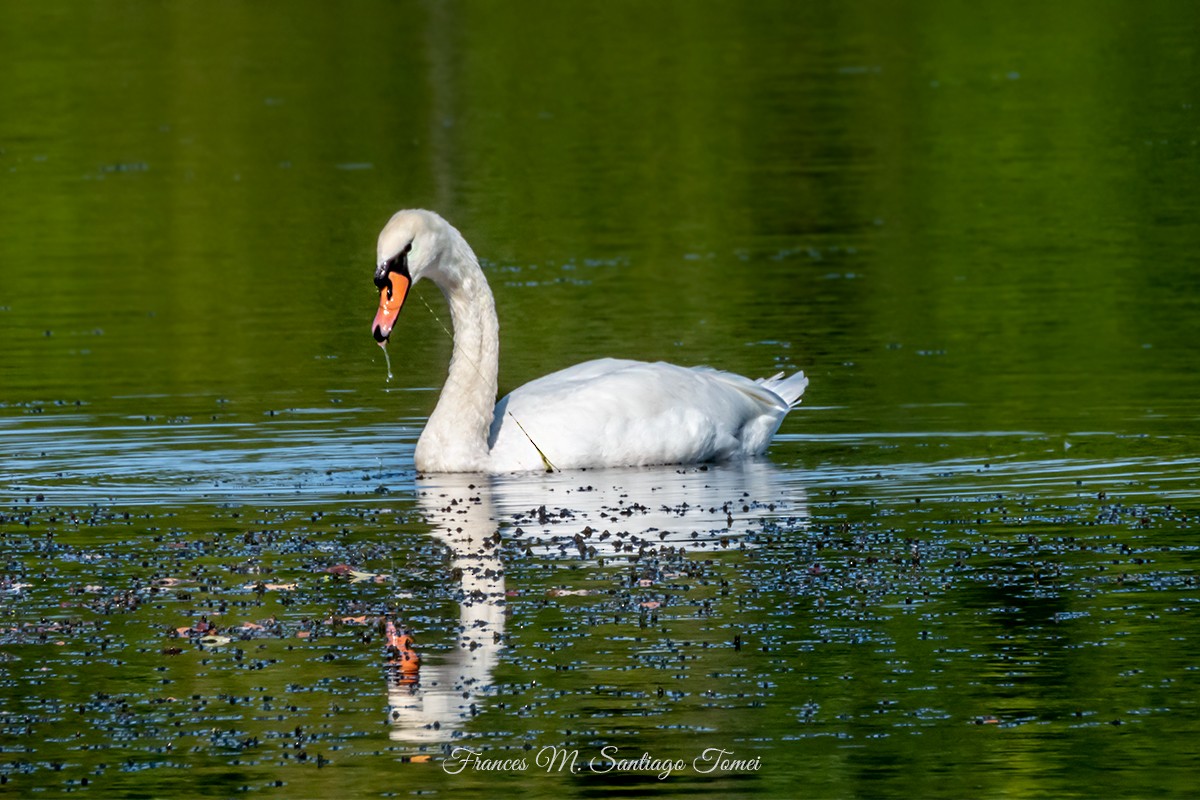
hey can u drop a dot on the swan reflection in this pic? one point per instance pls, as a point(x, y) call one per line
point(591, 514)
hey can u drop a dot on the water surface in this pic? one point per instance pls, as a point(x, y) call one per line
point(966, 567)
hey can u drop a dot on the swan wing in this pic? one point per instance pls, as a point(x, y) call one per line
point(617, 412)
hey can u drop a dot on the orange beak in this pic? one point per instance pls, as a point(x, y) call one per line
point(391, 299)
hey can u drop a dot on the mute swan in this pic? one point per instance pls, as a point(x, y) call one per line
point(603, 413)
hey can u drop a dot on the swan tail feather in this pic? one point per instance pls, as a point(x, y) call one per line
point(789, 387)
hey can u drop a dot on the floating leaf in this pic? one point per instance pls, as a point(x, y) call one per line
point(356, 576)
point(270, 587)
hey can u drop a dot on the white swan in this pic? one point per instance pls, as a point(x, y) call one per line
point(603, 413)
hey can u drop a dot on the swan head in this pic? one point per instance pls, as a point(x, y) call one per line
point(410, 247)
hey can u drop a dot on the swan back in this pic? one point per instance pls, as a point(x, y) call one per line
point(632, 413)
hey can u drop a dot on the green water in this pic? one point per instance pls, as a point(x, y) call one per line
point(967, 568)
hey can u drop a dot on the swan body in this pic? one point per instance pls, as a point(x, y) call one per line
point(603, 413)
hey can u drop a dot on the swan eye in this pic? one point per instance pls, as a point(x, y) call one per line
point(397, 263)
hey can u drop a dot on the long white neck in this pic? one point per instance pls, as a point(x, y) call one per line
point(456, 437)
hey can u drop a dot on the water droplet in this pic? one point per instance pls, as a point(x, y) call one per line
point(387, 360)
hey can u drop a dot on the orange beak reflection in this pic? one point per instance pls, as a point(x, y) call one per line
point(391, 299)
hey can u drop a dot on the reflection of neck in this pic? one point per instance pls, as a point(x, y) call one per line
point(481, 615)
point(455, 437)
point(464, 520)
point(451, 688)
